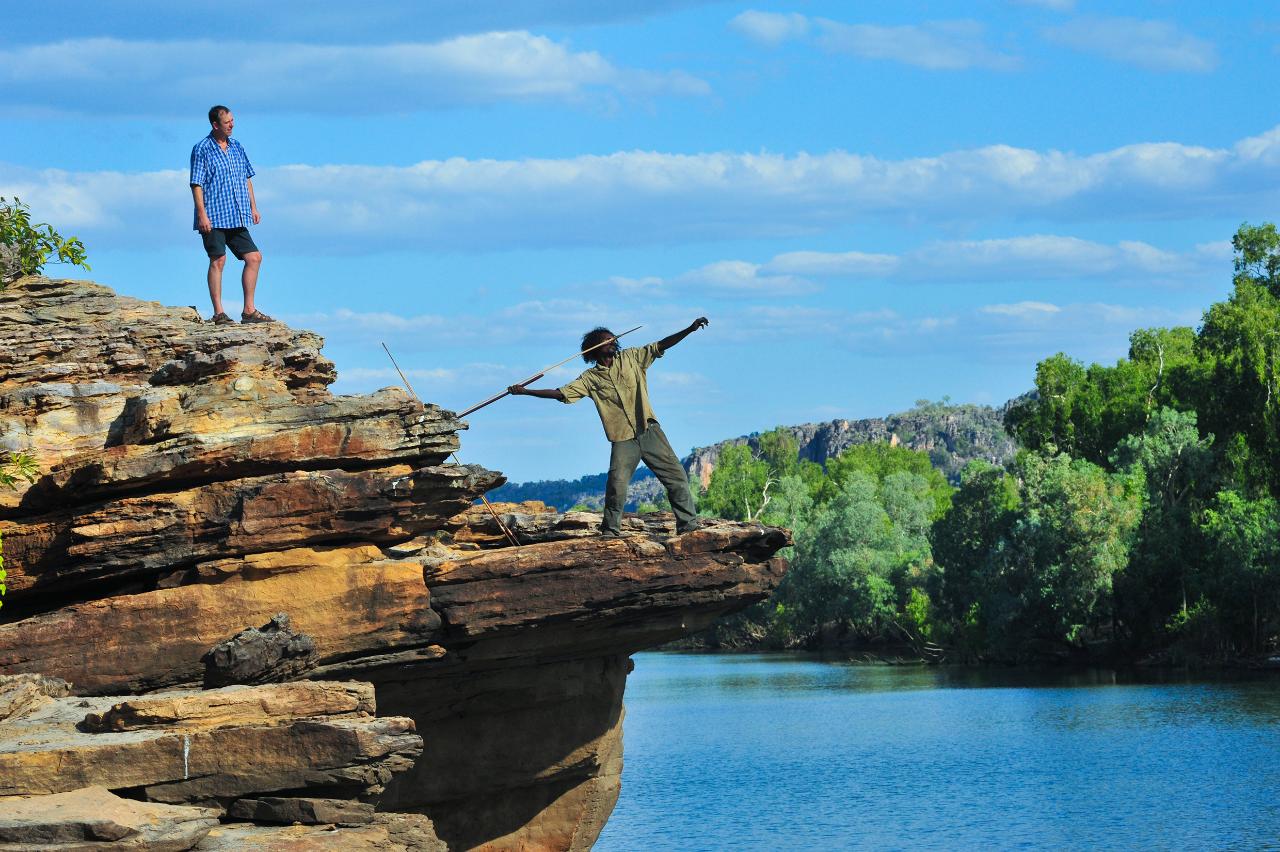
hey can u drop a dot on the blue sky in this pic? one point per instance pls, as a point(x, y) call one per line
point(874, 203)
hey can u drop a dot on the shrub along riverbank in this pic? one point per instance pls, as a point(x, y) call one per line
point(1140, 520)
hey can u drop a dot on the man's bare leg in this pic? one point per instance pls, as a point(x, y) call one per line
point(215, 282)
point(249, 279)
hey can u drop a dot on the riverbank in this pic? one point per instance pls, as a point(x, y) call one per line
point(791, 751)
point(740, 639)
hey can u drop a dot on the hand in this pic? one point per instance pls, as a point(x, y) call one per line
point(700, 322)
point(517, 390)
point(203, 223)
point(257, 220)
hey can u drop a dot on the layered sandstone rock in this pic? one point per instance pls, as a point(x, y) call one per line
point(93, 818)
point(210, 746)
point(200, 480)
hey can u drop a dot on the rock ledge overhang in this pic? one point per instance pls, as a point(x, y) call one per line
point(198, 480)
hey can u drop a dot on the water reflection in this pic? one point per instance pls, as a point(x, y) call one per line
point(784, 751)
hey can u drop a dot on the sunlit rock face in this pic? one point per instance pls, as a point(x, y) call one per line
point(198, 480)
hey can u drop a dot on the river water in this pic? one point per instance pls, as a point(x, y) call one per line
point(771, 752)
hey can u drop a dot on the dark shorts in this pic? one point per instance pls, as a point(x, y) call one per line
point(218, 240)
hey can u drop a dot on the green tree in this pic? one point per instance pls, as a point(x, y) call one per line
point(880, 461)
point(780, 451)
point(739, 486)
point(967, 542)
point(1178, 468)
point(840, 577)
point(1085, 412)
point(1051, 416)
point(745, 484)
point(1244, 536)
point(27, 247)
point(1037, 579)
point(1073, 534)
point(791, 506)
point(1241, 340)
point(861, 562)
point(1257, 257)
point(910, 501)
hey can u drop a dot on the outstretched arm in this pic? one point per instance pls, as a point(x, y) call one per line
point(672, 339)
point(548, 393)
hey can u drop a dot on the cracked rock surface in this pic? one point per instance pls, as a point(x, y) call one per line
point(198, 481)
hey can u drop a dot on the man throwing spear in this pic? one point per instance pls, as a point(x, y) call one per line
point(620, 390)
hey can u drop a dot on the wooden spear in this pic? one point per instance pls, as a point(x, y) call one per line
point(537, 376)
point(510, 536)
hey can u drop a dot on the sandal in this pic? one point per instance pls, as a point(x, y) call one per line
point(256, 316)
point(221, 319)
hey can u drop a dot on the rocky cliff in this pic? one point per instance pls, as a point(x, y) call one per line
point(952, 435)
point(445, 688)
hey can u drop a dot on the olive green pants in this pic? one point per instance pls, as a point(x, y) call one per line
point(652, 447)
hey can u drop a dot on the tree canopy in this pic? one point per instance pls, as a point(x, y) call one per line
point(1141, 517)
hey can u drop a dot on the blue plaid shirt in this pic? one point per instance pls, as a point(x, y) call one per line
point(223, 177)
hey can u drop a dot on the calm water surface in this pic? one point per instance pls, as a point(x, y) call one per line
point(783, 752)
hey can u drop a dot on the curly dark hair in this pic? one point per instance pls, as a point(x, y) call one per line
point(591, 338)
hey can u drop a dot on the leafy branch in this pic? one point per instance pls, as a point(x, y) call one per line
point(25, 247)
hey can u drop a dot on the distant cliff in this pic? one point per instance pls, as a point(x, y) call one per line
point(952, 435)
point(198, 481)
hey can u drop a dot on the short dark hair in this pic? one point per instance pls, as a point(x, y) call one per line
point(215, 113)
point(592, 338)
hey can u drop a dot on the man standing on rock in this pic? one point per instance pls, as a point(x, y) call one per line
point(618, 386)
point(222, 186)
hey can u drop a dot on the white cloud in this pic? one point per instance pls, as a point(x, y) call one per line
point(366, 21)
point(568, 312)
point(992, 333)
point(774, 322)
point(384, 321)
point(1087, 327)
point(936, 45)
point(849, 264)
point(770, 27)
point(643, 197)
point(728, 277)
point(676, 379)
point(160, 77)
point(1028, 330)
point(741, 276)
point(1221, 251)
point(1041, 257)
point(1048, 257)
point(1154, 45)
point(1022, 310)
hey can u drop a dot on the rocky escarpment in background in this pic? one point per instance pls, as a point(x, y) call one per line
point(199, 480)
point(952, 435)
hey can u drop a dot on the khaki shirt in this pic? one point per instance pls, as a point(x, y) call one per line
point(620, 392)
